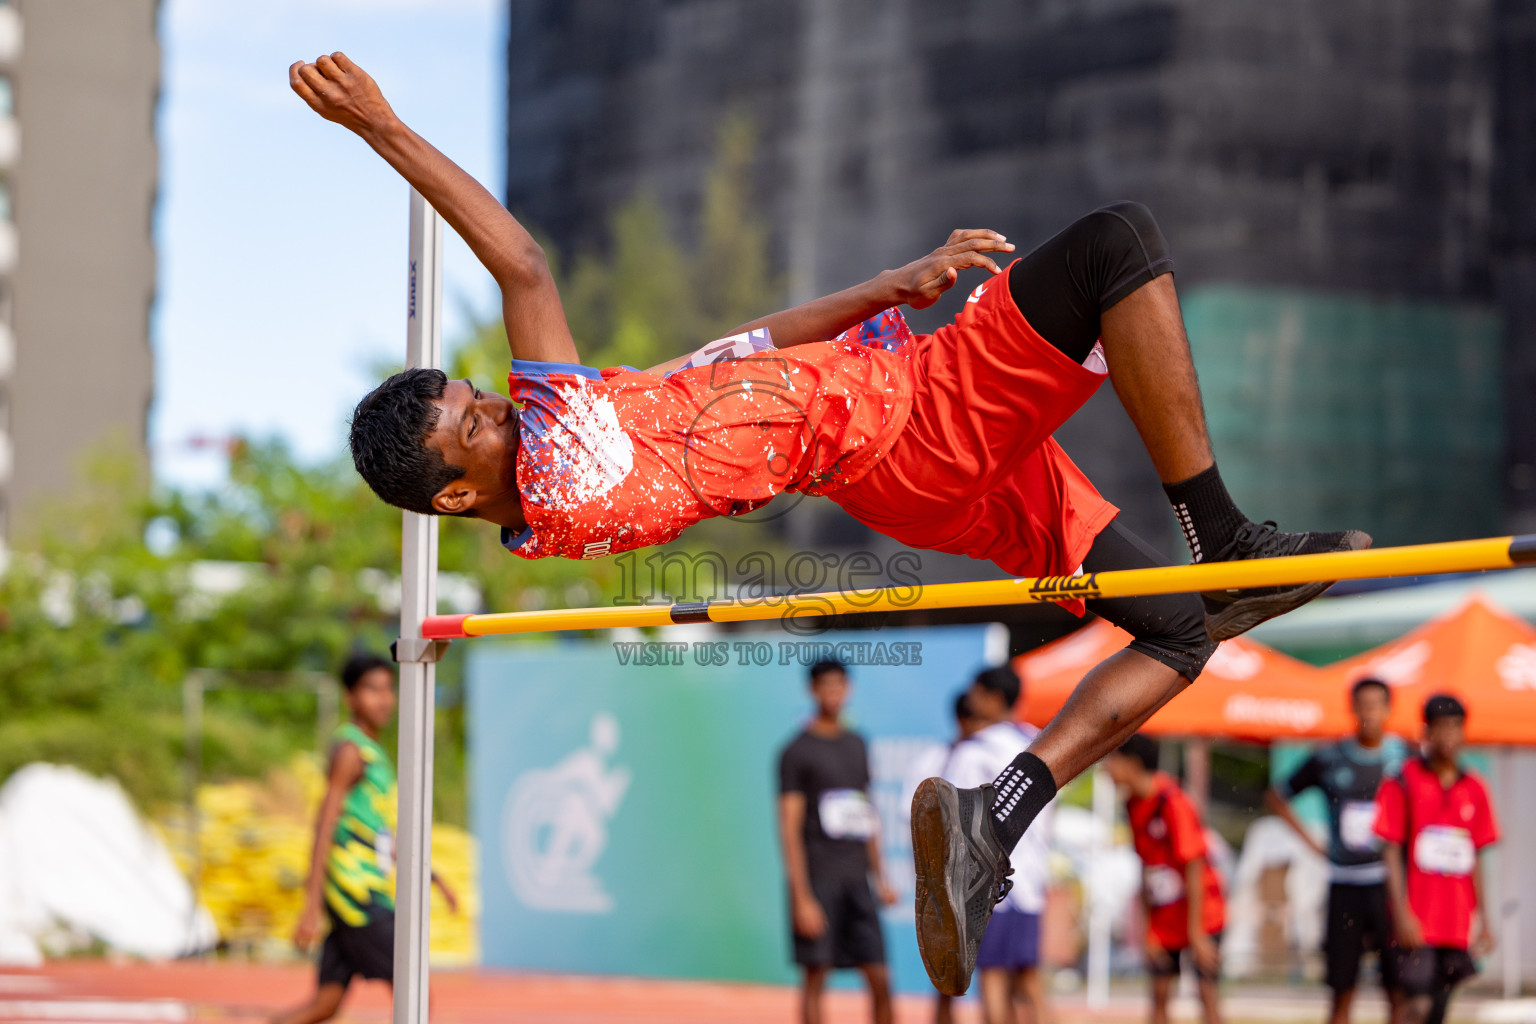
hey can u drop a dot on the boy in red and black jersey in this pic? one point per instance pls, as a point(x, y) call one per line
point(1441, 816)
point(1181, 892)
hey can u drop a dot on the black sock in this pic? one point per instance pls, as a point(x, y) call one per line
point(1206, 513)
point(1023, 790)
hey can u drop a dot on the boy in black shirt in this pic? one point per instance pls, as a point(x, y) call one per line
point(1348, 773)
point(831, 840)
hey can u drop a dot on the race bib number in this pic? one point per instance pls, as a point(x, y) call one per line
point(847, 814)
point(384, 851)
point(1445, 850)
point(738, 346)
point(1356, 820)
point(1165, 885)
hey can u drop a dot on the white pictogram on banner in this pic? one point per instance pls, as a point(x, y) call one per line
point(555, 825)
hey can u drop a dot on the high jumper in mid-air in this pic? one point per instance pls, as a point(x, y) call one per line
point(939, 441)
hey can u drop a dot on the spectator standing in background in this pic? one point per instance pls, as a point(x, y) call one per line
point(830, 837)
point(1009, 956)
point(1436, 819)
point(1180, 891)
point(349, 885)
point(930, 761)
point(1349, 773)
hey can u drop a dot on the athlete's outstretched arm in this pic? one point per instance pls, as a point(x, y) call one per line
point(340, 91)
point(918, 284)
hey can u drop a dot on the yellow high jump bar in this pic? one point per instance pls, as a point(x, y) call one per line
point(1414, 560)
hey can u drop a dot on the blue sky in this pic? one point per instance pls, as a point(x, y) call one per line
point(281, 237)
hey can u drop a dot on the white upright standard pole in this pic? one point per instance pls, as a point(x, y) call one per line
point(417, 657)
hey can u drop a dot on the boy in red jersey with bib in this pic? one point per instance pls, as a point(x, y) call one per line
point(1181, 892)
point(940, 441)
point(1436, 819)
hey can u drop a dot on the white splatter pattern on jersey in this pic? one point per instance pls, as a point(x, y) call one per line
point(596, 453)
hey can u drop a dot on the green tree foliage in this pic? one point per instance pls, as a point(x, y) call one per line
point(735, 283)
point(289, 566)
point(649, 297)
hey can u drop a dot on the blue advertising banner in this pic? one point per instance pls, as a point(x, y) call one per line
point(624, 796)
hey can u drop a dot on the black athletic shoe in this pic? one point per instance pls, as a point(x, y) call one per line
point(962, 873)
point(1229, 613)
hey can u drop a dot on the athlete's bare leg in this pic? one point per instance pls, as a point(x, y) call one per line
point(813, 983)
point(1113, 700)
point(1154, 376)
point(1162, 990)
point(997, 996)
point(322, 1006)
point(1034, 1006)
point(878, 978)
point(1210, 1001)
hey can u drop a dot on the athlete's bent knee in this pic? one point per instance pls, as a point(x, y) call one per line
point(1135, 218)
point(1179, 640)
point(1117, 249)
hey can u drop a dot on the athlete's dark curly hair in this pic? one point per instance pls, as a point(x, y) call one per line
point(389, 434)
point(1142, 748)
point(1001, 680)
point(359, 665)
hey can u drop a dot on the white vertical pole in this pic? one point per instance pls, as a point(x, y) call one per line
point(1100, 935)
point(417, 658)
point(1508, 901)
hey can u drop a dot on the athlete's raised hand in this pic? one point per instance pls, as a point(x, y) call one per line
point(920, 283)
point(338, 90)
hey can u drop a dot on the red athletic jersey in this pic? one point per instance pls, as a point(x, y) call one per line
point(1168, 835)
point(941, 441)
point(617, 459)
point(1441, 829)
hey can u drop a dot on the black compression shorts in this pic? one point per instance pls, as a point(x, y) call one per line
point(1065, 284)
point(1169, 628)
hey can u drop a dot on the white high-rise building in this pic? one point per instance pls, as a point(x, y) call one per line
point(79, 170)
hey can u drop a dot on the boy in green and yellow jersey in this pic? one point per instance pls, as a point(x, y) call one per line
point(351, 871)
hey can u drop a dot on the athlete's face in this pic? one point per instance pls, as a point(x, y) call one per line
point(830, 689)
point(476, 430)
point(372, 700)
point(1444, 738)
point(1122, 770)
point(1372, 708)
point(987, 704)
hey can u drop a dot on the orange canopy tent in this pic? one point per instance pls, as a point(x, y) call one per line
point(1247, 691)
point(1479, 652)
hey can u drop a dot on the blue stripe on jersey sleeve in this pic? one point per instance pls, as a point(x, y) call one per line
point(535, 370)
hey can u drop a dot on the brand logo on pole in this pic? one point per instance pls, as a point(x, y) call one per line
point(1056, 588)
point(555, 825)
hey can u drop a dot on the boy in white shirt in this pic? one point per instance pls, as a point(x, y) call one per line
point(1010, 950)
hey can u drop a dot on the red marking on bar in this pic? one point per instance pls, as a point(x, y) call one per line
point(443, 627)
